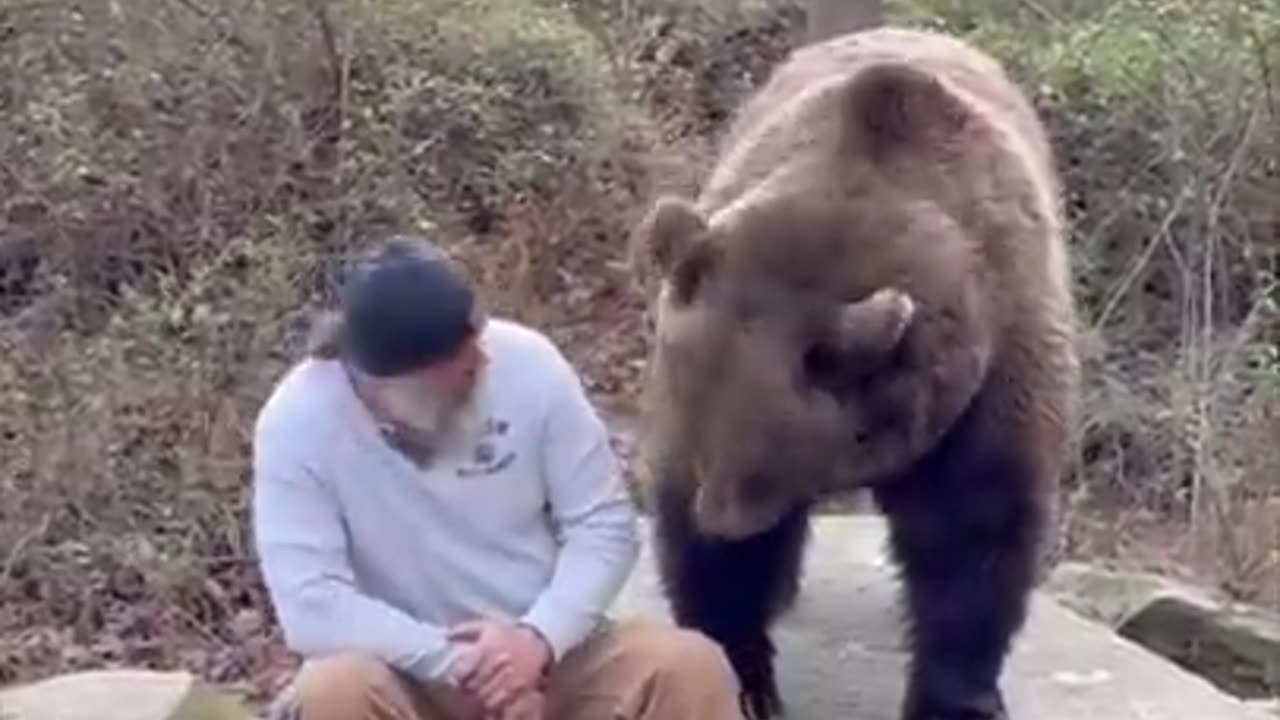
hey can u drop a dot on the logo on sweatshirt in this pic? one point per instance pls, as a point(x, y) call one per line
point(485, 458)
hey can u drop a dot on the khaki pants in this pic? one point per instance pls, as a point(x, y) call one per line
point(633, 670)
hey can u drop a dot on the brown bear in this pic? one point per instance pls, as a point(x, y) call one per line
point(871, 292)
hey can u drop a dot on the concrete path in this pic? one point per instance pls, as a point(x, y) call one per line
point(839, 656)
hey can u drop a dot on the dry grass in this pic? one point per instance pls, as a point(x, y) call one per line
point(178, 180)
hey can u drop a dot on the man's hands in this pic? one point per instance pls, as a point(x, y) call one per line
point(502, 664)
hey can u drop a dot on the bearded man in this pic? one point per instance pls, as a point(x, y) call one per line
point(441, 524)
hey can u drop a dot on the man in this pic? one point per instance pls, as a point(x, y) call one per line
point(441, 524)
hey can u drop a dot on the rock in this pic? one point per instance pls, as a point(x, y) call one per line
point(840, 652)
point(1266, 706)
point(120, 695)
point(1110, 597)
point(1236, 647)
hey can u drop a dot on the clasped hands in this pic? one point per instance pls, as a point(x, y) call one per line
point(501, 665)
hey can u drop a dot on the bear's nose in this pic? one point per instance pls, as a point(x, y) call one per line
point(705, 500)
point(711, 505)
point(717, 512)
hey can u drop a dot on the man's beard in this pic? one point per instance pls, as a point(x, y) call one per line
point(434, 416)
point(420, 421)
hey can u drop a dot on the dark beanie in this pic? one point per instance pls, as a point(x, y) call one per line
point(403, 308)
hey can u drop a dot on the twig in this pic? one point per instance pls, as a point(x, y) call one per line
point(1133, 180)
point(1217, 505)
point(1141, 262)
point(1264, 69)
point(1234, 165)
point(26, 539)
point(1042, 11)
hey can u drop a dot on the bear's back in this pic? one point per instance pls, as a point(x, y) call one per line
point(795, 117)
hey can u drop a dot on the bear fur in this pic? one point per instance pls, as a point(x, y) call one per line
point(871, 292)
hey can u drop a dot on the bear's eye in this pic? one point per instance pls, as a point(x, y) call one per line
point(692, 272)
point(821, 368)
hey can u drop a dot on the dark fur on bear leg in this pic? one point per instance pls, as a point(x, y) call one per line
point(965, 529)
point(732, 591)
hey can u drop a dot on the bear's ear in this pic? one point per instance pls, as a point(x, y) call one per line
point(893, 105)
point(867, 331)
point(667, 232)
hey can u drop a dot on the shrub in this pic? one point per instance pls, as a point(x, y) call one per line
point(179, 180)
point(1164, 115)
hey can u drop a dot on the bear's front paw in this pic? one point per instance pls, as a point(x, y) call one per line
point(959, 714)
point(987, 706)
point(753, 662)
point(762, 703)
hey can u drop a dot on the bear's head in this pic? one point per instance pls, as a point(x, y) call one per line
point(776, 328)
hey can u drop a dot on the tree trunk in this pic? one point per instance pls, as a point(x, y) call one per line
point(828, 18)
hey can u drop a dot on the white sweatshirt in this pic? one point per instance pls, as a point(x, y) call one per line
point(361, 550)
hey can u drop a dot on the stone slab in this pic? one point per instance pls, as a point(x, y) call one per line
point(126, 694)
point(840, 653)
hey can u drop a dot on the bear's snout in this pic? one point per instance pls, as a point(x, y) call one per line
point(720, 510)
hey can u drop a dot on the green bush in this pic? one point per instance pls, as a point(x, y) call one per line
point(1126, 54)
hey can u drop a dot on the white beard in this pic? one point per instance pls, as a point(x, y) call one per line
point(424, 419)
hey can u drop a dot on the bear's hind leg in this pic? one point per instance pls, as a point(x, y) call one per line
point(964, 530)
point(732, 591)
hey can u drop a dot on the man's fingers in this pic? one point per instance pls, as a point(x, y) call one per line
point(493, 677)
point(497, 689)
point(468, 630)
point(488, 666)
point(465, 665)
point(512, 708)
point(474, 666)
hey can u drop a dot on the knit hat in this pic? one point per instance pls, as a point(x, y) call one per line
point(404, 307)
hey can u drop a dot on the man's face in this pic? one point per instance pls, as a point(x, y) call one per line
point(455, 378)
point(429, 401)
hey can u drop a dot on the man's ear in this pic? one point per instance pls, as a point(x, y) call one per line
point(893, 106)
point(666, 233)
point(867, 331)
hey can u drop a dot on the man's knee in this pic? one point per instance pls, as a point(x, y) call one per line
point(680, 655)
point(647, 670)
point(347, 684)
point(691, 655)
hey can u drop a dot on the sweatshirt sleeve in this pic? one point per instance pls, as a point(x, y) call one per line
point(593, 513)
point(302, 548)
